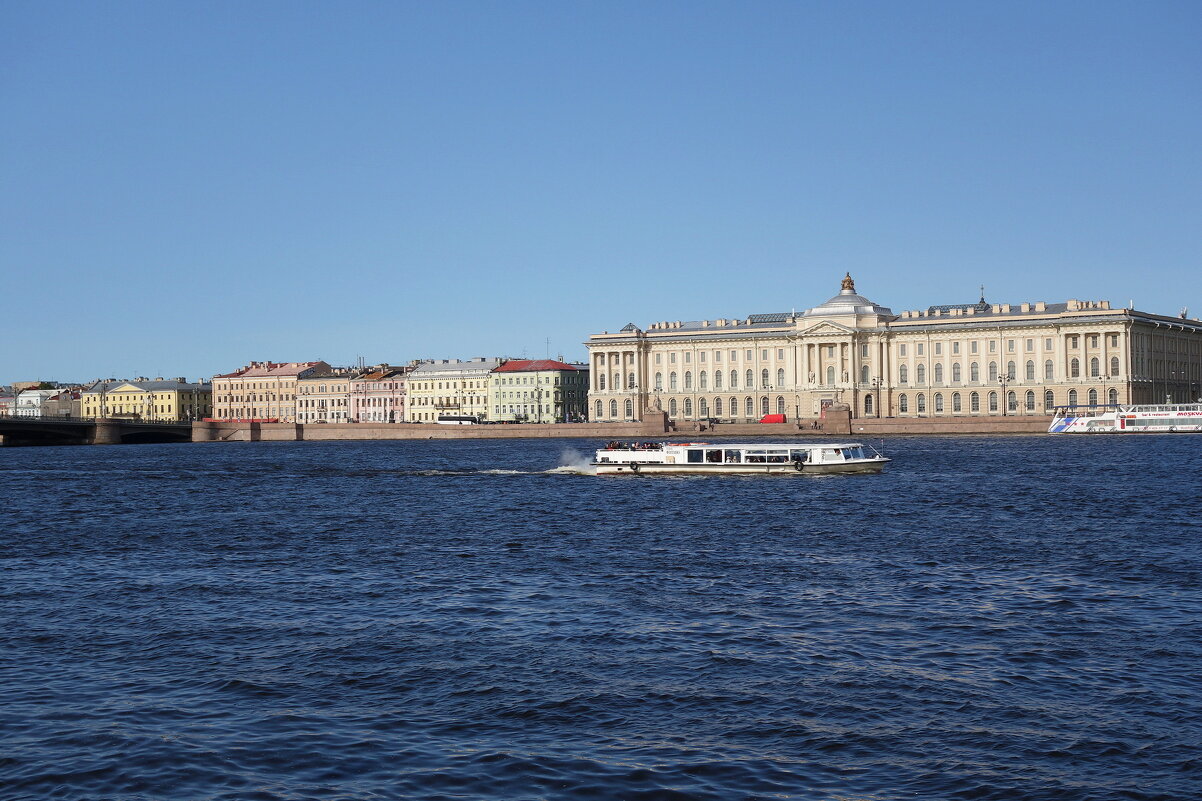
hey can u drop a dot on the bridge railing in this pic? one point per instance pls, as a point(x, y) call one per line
point(55, 418)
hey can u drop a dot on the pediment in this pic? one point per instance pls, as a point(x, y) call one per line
point(126, 388)
point(826, 328)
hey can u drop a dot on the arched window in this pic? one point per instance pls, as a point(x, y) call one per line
point(1074, 368)
point(764, 378)
point(938, 401)
point(630, 381)
point(1010, 371)
point(749, 407)
point(688, 379)
point(939, 374)
point(1011, 401)
point(1048, 370)
point(780, 376)
point(750, 382)
point(617, 381)
point(717, 379)
point(613, 409)
point(688, 406)
point(703, 408)
point(629, 408)
point(780, 404)
point(703, 380)
point(864, 374)
point(956, 373)
point(974, 402)
point(717, 402)
point(659, 382)
point(1072, 397)
point(1093, 397)
point(1030, 401)
point(1114, 365)
point(867, 404)
point(1049, 399)
point(903, 404)
point(974, 373)
point(1094, 366)
point(1112, 397)
point(993, 401)
point(734, 407)
point(830, 375)
point(903, 374)
point(672, 381)
point(764, 405)
point(1030, 370)
point(734, 379)
point(600, 410)
point(920, 374)
point(993, 371)
point(601, 382)
point(921, 403)
point(956, 405)
point(672, 408)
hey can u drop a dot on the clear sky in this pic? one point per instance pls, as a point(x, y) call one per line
point(185, 187)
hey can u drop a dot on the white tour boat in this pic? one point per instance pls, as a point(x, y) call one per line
point(1135, 419)
point(648, 458)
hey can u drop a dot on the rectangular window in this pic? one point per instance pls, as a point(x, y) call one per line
point(717, 355)
point(1030, 345)
point(938, 348)
point(920, 349)
point(973, 347)
point(1010, 346)
point(658, 358)
point(780, 353)
point(993, 346)
point(1114, 340)
point(749, 357)
point(1093, 340)
point(734, 355)
point(901, 349)
point(703, 356)
point(830, 351)
point(864, 350)
point(955, 347)
point(672, 358)
point(688, 357)
point(1047, 344)
point(764, 354)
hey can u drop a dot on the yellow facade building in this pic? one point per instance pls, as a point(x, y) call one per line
point(449, 388)
point(956, 360)
point(158, 400)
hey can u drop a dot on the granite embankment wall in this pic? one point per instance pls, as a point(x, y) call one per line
point(834, 425)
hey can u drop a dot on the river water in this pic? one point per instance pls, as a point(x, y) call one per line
point(992, 618)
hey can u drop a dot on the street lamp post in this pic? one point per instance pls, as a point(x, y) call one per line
point(876, 391)
point(1004, 381)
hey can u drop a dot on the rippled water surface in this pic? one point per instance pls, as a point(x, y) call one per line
point(1011, 618)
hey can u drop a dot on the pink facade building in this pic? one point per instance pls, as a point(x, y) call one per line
point(378, 395)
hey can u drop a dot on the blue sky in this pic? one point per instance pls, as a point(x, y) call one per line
point(185, 187)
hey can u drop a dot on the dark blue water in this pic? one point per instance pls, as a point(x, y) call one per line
point(991, 619)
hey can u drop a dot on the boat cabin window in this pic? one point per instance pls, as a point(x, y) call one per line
point(713, 457)
point(799, 455)
point(734, 457)
point(695, 455)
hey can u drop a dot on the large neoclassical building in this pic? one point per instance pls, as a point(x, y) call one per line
point(961, 359)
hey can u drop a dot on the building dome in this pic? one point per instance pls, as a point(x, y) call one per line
point(848, 302)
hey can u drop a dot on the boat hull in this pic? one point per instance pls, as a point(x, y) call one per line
point(786, 469)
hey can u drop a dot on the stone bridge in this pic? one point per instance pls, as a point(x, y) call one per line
point(78, 431)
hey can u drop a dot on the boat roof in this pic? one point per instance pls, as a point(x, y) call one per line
point(760, 445)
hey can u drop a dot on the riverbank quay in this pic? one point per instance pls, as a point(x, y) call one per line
point(653, 427)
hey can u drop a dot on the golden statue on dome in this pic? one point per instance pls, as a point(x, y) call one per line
point(848, 283)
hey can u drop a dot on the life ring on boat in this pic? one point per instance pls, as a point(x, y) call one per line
point(797, 466)
point(634, 467)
